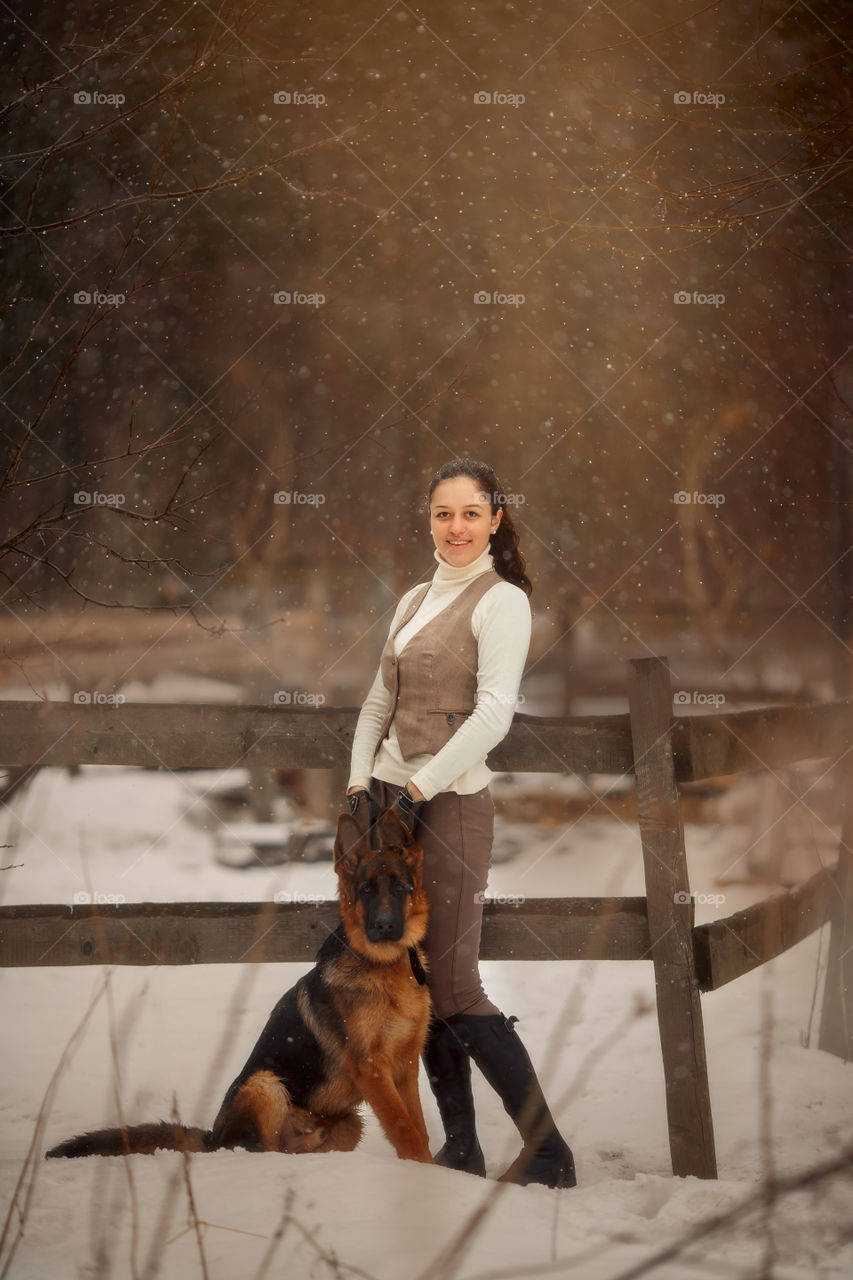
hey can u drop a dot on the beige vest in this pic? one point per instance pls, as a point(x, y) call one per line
point(433, 681)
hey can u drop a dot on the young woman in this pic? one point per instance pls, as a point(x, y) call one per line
point(443, 698)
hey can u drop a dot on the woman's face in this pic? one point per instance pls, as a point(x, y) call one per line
point(461, 520)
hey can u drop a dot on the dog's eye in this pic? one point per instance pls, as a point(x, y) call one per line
point(399, 888)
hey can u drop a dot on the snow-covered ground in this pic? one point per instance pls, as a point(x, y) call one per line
point(159, 1034)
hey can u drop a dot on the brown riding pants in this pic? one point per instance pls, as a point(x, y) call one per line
point(455, 833)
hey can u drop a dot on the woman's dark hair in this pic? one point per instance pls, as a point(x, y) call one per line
point(503, 544)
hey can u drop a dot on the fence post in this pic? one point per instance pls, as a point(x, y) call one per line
point(670, 912)
point(836, 1021)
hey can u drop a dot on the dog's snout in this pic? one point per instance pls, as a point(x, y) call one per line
point(385, 927)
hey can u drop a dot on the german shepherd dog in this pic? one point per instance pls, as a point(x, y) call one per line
point(351, 1030)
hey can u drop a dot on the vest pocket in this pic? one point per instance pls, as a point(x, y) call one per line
point(451, 717)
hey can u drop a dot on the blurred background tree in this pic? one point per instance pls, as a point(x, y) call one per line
point(346, 152)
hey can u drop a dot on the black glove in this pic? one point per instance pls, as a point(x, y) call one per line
point(356, 798)
point(407, 809)
point(363, 808)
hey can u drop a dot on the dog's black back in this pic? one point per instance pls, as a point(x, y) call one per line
point(287, 1046)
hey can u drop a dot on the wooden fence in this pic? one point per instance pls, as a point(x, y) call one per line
point(660, 750)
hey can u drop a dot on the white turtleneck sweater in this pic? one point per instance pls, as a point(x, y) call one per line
point(501, 624)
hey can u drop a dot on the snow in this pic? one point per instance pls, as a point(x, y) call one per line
point(183, 1032)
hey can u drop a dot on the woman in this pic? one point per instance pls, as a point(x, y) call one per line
point(443, 698)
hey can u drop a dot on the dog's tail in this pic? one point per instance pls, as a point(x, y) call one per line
point(140, 1139)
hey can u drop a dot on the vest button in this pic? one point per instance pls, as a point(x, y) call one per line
point(451, 717)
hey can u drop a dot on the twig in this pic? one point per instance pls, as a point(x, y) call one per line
point(185, 1159)
point(30, 1168)
point(277, 1236)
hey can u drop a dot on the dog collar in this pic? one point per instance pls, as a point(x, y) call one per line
point(417, 968)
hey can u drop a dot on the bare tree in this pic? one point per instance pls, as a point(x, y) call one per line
point(97, 492)
point(722, 153)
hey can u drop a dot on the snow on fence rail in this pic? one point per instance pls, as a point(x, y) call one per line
point(660, 750)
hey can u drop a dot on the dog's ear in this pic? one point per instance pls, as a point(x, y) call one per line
point(393, 831)
point(349, 843)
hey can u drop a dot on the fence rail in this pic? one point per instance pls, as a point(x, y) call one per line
point(204, 736)
point(727, 949)
point(236, 932)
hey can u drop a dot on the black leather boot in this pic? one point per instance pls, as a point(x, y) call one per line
point(494, 1045)
point(449, 1070)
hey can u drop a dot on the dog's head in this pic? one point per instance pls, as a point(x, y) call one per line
point(383, 903)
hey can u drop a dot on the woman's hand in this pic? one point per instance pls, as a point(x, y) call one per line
point(408, 805)
point(354, 798)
